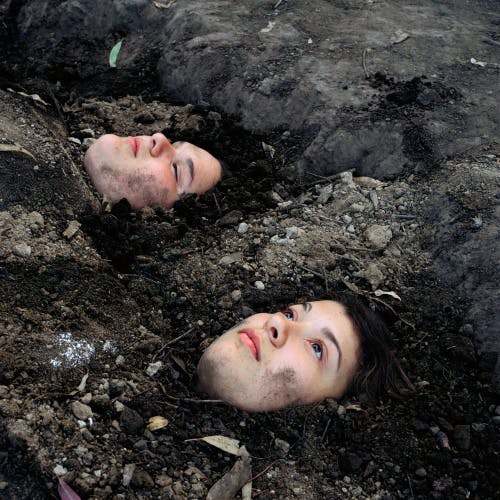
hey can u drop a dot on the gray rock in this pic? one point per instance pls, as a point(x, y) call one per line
point(130, 421)
point(35, 219)
point(242, 228)
point(230, 219)
point(294, 232)
point(259, 285)
point(154, 368)
point(227, 260)
point(21, 250)
point(378, 235)
point(324, 194)
point(81, 411)
point(72, 229)
point(236, 295)
point(282, 446)
point(421, 472)
point(87, 142)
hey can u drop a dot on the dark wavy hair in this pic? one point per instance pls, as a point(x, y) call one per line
point(378, 367)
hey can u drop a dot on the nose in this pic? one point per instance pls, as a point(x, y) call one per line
point(277, 329)
point(159, 145)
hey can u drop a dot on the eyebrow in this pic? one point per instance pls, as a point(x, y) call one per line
point(327, 333)
point(190, 165)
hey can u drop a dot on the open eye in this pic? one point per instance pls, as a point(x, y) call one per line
point(288, 313)
point(318, 350)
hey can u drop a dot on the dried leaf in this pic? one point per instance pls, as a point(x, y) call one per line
point(37, 98)
point(160, 5)
point(422, 383)
point(399, 36)
point(224, 443)
point(157, 422)
point(81, 387)
point(18, 149)
point(474, 61)
point(268, 149)
point(354, 407)
point(65, 492)
point(379, 293)
point(113, 55)
point(229, 484)
point(246, 491)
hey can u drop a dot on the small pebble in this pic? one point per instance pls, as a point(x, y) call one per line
point(235, 295)
point(59, 470)
point(294, 232)
point(72, 229)
point(421, 472)
point(242, 228)
point(81, 411)
point(259, 285)
point(22, 250)
point(154, 368)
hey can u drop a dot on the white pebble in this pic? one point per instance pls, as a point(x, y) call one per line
point(259, 285)
point(242, 228)
point(59, 470)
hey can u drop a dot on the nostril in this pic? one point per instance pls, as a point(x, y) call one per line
point(274, 333)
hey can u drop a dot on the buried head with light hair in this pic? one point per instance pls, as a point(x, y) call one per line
point(149, 170)
point(300, 355)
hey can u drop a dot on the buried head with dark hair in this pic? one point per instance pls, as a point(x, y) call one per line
point(149, 170)
point(300, 355)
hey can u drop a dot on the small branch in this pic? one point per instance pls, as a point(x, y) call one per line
point(263, 471)
point(328, 178)
point(217, 204)
point(405, 378)
point(407, 323)
point(173, 341)
point(192, 400)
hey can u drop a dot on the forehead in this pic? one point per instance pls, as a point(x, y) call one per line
point(332, 315)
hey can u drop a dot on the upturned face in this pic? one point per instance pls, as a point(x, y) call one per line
point(271, 361)
point(148, 170)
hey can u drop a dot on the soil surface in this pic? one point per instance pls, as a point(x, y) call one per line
point(103, 316)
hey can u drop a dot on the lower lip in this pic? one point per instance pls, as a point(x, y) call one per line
point(249, 343)
point(134, 144)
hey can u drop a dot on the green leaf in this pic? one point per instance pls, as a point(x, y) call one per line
point(113, 55)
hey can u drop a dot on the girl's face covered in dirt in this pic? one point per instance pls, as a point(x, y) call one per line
point(148, 170)
point(270, 361)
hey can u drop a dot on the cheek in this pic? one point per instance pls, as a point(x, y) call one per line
point(307, 375)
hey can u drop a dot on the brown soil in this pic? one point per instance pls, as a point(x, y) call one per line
point(124, 290)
